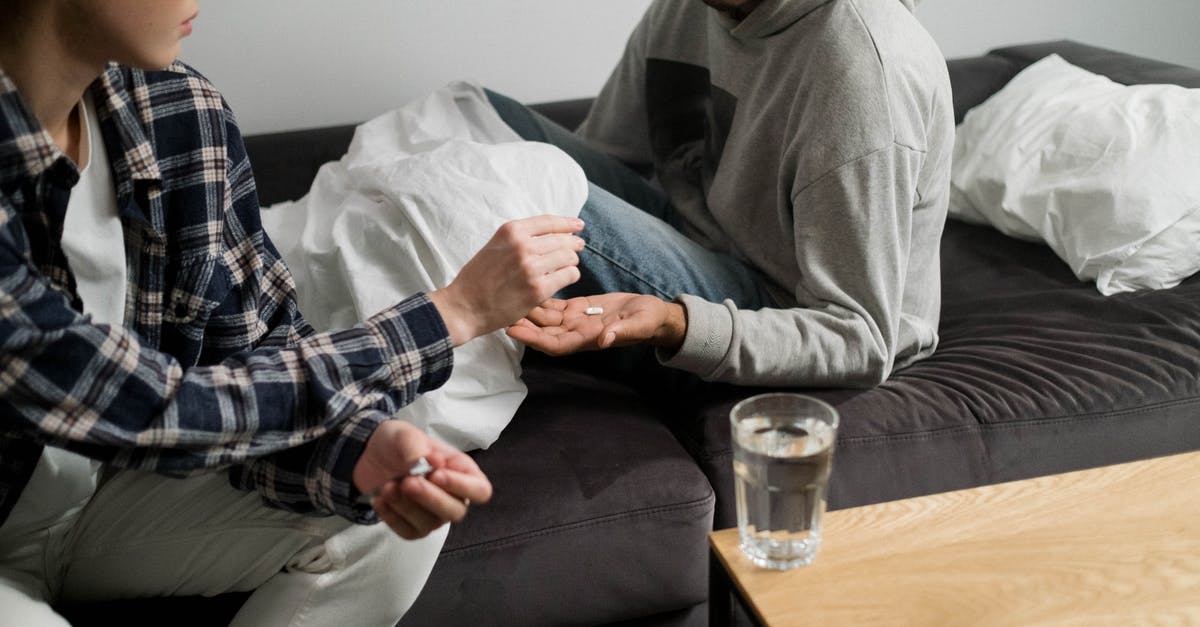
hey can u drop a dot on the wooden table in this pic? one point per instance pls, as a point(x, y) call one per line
point(1112, 545)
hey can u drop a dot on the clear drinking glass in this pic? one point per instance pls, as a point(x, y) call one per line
point(782, 453)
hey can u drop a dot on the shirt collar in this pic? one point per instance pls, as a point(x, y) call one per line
point(115, 103)
point(27, 150)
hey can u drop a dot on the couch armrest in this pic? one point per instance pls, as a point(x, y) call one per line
point(286, 163)
point(974, 79)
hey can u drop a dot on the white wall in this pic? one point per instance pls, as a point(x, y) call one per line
point(287, 64)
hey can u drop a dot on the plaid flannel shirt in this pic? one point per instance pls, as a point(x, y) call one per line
point(214, 367)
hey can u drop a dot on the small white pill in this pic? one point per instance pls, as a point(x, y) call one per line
point(593, 311)
point(422, 467)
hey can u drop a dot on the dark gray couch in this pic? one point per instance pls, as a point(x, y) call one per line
point(604, 491)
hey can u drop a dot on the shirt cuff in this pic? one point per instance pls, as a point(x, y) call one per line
point(416, 338)
point(707, 340)
point(337, 454)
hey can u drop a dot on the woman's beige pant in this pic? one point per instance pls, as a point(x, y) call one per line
point(143, 534)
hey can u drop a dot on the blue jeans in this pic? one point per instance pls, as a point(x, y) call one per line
point(633, 244)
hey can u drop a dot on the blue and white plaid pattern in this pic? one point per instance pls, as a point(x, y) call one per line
point(215, 367)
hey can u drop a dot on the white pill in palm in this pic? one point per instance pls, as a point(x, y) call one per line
point(593, 311)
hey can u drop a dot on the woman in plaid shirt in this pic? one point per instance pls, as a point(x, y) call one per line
point(148, 327)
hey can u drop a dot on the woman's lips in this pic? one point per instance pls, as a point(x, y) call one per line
point(186, 27)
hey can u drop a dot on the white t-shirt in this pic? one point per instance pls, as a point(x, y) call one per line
point(94, 244)
point(92, 237)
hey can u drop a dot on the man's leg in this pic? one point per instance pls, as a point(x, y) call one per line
point(599, 168)
point(632, 245)
point(627, 250)
point(148, 535)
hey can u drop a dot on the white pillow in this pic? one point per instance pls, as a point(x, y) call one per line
point(1107, 175)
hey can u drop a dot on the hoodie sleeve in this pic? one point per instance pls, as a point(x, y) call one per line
point(852, 244)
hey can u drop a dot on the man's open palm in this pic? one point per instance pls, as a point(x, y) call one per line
point(561, 327)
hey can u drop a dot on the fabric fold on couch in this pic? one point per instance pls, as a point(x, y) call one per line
point(420, 190)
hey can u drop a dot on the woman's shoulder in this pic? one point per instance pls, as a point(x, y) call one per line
point(176, 109)
point(178, 87)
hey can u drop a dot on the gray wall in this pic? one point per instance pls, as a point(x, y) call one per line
point(300, 63)
point(1161, 29)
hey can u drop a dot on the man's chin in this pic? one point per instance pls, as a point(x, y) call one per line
point(736, 10)
point(717, 4)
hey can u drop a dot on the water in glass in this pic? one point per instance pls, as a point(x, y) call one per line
point(781, 469)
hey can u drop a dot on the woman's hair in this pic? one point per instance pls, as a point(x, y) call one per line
point(15, 14)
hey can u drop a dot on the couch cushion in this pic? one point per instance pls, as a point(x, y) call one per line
point(1036, 373)
point(599, 515)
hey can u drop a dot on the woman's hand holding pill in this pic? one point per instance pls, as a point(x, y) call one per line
point(562, 327)
point(524, 263)
point(415, 503)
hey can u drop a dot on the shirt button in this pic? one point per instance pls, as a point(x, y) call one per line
point(181, 310)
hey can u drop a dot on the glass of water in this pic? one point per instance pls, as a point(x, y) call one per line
point(782, 453)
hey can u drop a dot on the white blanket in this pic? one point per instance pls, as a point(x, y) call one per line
point(421, 189)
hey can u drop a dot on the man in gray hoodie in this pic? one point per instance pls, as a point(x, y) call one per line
point(801, 151)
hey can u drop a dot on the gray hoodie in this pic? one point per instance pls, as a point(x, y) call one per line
point(811, 140)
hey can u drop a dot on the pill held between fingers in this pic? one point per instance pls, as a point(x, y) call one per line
point(420, 468)
point(593, 311)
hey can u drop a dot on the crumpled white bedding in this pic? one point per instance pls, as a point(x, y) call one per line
point(421, 189)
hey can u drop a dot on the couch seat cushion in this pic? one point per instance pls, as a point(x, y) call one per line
point(598, 515)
